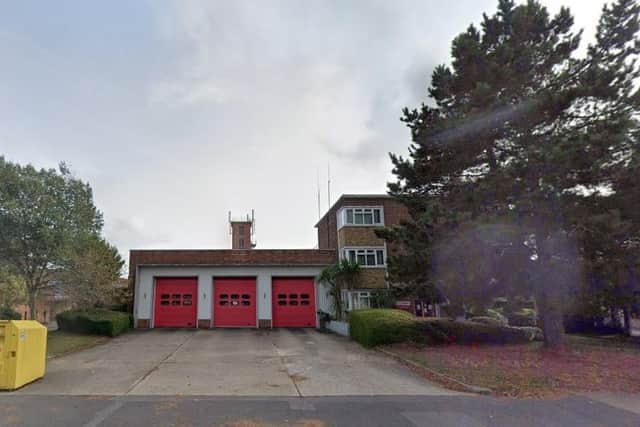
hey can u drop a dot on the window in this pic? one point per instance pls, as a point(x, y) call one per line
point(357, 300)
point(241, 228)
point(360, 216)
point(241, 243)
point(361, 300)
point(366, 257)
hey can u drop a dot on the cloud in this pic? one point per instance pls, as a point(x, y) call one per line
point(177, 112)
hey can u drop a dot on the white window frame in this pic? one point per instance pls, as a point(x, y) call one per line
point(342, 216)
point(366, 251)
point(355, 299)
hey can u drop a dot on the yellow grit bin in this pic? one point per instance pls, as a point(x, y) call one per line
point(23, 352)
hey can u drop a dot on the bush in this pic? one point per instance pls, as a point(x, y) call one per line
point(524, 317)
point(7, 313)
point(497, 314)
point(487, 320)
point(381, 326)
point(535, 333)
point(467, 332)
point(386, 326)
point(94, 321)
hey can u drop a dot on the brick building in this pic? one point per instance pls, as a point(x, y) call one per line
point(247, 287)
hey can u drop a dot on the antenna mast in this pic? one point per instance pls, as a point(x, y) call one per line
point(329, 184)
point(318, 188)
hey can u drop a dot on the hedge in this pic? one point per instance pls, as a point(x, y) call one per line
point(382, 326)
point(94, 321)
point(467, 332)
point(8, 313)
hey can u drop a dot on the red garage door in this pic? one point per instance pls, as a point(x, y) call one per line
point(234, 302)
point(294, 303)
point(175, 302)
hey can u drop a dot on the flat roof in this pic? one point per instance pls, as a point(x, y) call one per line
point(352, 196)
point(229, 257)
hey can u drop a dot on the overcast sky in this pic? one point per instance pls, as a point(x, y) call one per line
point(178, 111)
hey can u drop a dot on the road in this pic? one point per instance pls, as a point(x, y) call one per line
point(369, 411)
point(254, 378)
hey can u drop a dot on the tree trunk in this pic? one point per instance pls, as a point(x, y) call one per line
point(32, 304)
point(615, 319)
point(627, 321)
point(552, 326)
point(550, 315)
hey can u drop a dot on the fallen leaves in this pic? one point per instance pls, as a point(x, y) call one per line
point(529, 370)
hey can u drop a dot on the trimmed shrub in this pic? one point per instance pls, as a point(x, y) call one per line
point(486, 320)
point(534, 333)
point(94, 321)
point(386, 326)
point(524, 317)
point(381, 326)
point(7, 313)
point(466, 332)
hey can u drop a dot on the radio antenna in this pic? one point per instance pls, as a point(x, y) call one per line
point(329, 184)
point(318, 188)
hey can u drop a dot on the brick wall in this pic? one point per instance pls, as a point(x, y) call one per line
point(369, 278)
point(327, 237)
point(394, 212)
point(358, 236)
point(241, 230)
point(229, 257)
point(372, 278)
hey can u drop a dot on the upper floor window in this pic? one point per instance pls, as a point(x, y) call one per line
point(360, 216)
point(366, 257)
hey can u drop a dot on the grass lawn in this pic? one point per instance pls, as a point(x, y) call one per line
point(528, 370)
point(59, 342)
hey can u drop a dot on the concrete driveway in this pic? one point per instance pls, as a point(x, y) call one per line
point(229, 362)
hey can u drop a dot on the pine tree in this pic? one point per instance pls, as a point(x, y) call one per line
point(522, 140)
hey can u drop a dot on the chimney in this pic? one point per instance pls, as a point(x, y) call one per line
point(241, 232)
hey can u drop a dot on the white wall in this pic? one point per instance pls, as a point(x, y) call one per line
point(145, 279)
point(324, 302)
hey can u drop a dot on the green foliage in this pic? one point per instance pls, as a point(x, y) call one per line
point(523, 317)
point(43, 214)
point(382, 298)
point(12, 289)
point(94, 321)
point(522, 145)
point(380, 326)
point(434, 331)
point(92, 269)
point(7, 313)
point(489, 320)
point(344, 274)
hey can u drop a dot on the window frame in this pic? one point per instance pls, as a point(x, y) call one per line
point(355, 299)
point(351, 212)
point(365, 251)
